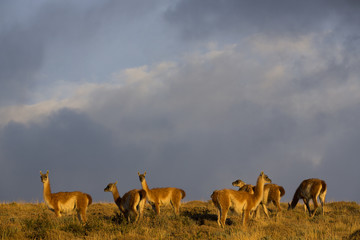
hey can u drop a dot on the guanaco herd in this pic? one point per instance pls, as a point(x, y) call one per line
point(245, 200)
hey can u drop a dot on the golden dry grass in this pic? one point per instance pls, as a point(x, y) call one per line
point(196, 221)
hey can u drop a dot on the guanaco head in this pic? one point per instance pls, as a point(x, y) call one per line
point(44, 177)
point(238, 183)
point(265, 177)
point(110, 187)
point(142, 176)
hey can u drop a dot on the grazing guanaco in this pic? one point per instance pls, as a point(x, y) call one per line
point(65, 201)
point(272, 193)
point(158, 196)
point(239, 201)
point(131, 203)
point(310, 189)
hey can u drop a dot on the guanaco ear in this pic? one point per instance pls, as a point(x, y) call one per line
point(144, 173)
point(47, 172)
point(40, 172)
point(115, 182)
point(262, 173)
point(139, 174)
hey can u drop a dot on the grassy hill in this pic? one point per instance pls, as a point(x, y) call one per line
point(196, 221)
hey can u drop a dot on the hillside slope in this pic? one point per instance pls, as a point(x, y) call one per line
point(197, 220)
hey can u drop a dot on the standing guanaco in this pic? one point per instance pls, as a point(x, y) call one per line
point(272, 193)
point(310, 189)
point(239, 201)
point(158, 196)
point(131, 203)
point(65, 201)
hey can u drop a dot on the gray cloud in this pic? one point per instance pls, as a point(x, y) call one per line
point(199, 19)
point(21, 57)
point(41, 47)
point(79, 153)
point(283, 99)
point(206, 124)
point(186, 137)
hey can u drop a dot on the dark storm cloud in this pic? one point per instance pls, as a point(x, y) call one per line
point(80, 155)
point(28, 38)
point(201, 19)
point(23, 44)
point(199, 134)
point(342, 155)
point(205, 127)
point(21, 56)
point(284, 100)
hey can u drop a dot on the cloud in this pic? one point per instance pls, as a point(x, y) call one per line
point(269, 86)
point(199, 20)
point(68, 144)
point(19, 61)
point(49, 42)
point(198, 124)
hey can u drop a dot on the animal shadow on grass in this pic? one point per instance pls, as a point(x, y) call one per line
point(355, 235)
point(204, 217)
point(118, 218)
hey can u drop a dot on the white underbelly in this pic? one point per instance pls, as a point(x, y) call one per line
point(68, 206)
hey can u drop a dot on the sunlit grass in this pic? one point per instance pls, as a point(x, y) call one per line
point(197, 220)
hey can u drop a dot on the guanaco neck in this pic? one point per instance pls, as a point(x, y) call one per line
point(145, 186)
point(116, 195)
point(259, 189)
point(47, 191)
point(295, 199)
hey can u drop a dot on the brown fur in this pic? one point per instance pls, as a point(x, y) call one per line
point(272, 193)
point(239, 201)
point(243, 186)
point(310, 189)
point(246, 188)
point(132, 202)
point(65, 201)
point(238, 183)
point(158, 196)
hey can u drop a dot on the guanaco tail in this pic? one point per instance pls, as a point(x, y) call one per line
point(310, 189)
point(239, 201)
point(159, 196)
point(132, 203)
point(272, 193)
point(65, 201)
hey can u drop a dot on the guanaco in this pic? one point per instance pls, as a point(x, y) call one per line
point(159, 196)
point(243, 186)
point(310, 189)
point(272, 193)
point(239, 201)
point(132, 202)
point(62, 202)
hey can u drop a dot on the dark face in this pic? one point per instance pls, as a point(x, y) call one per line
point(109, 187)
point(142, 177)
point(44, 177)
point(267, 178)
point(238, 183)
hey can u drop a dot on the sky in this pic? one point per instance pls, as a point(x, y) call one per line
point(197, 93)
